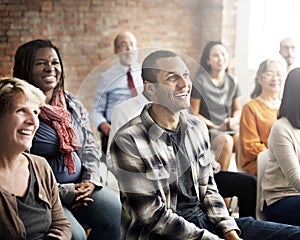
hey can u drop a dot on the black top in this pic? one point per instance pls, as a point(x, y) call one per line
point(34, 213)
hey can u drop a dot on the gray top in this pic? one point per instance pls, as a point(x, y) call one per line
point(216, 102)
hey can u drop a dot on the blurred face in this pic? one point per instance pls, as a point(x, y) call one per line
point(19, 124)
point(46, 70)
point(173, 86)
point(218, 58)
point(272, 79)
point(126, 49)
point(288, 51)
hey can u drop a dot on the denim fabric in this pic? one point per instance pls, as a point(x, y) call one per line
point(254, 229)
point(102, 216)
point(78, 232)
point(263, 230)
point(286, 210)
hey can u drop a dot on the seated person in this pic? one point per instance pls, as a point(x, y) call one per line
point(288, 51)
point(216, 98)
point(120, 82)
point(259, 114)
point(281, 180)
point(30, 206)
point(230, 184)
point(65, 139)
point(165, 177)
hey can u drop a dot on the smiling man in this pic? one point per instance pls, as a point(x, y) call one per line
point(118, 83)
point(161, 159)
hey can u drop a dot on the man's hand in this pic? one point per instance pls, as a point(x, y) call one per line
point(83, 192)
point(232, 235)
point(105, 128)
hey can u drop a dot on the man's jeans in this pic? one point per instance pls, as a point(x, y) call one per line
point(254, 229)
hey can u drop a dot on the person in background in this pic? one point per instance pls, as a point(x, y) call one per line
point(288, 52)
point(30, 206)
point(165, 177)
point(65, 139)
point(216, 99)
point(118, 83)
point(259, 114)
point(281, 180)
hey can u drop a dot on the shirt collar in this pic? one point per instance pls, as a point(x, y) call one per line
point(134, 67)
point(154, 130)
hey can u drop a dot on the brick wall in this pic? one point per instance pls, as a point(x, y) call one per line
point(84, 30)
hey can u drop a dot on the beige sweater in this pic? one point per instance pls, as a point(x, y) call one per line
point(282, 175)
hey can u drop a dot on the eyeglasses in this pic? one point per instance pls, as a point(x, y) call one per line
point(271, 74)
point(287, 48)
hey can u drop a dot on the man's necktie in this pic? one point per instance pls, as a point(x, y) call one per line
point(131, 83)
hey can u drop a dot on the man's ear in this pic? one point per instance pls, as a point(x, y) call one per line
point(150, 88)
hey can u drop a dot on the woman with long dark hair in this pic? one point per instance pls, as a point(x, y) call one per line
point(65, 139)
point(216, 99)
point(281, 180)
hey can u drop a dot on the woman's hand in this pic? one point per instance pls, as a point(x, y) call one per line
point(233, 123)
point(83, 192)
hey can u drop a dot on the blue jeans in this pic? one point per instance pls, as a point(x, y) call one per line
point(255, 230)
point(103, 216)
point(286, 210)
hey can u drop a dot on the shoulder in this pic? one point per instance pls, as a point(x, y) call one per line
point(281, 127)
point(252, 104)
point(131, 129)
point(113, 71)
point(73, 101)
point(40, 164)
point(231, 78)
point(192, 119)
point(281, 124)
point(194, 123)
point(201, 77)
point(71, 97)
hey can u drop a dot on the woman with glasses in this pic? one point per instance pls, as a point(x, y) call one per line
point(30, 207)
point(259, 114)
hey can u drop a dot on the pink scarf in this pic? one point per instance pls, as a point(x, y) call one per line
point(57, 116)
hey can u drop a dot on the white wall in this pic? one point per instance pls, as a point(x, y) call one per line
point(243, 74)
point(272, 20)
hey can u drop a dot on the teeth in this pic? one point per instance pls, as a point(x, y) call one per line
point(27, 132)
point(181, 94)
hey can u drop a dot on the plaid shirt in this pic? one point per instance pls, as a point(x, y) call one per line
point(146, 168)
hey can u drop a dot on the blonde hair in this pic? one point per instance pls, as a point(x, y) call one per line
point(9, 87)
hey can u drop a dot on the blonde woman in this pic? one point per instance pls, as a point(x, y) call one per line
point(30, 207)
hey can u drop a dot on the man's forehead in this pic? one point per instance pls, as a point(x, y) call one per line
point(287, 42)
point(171, 64)
point(126, 36)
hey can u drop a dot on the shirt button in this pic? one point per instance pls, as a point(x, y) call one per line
point(40, 195)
